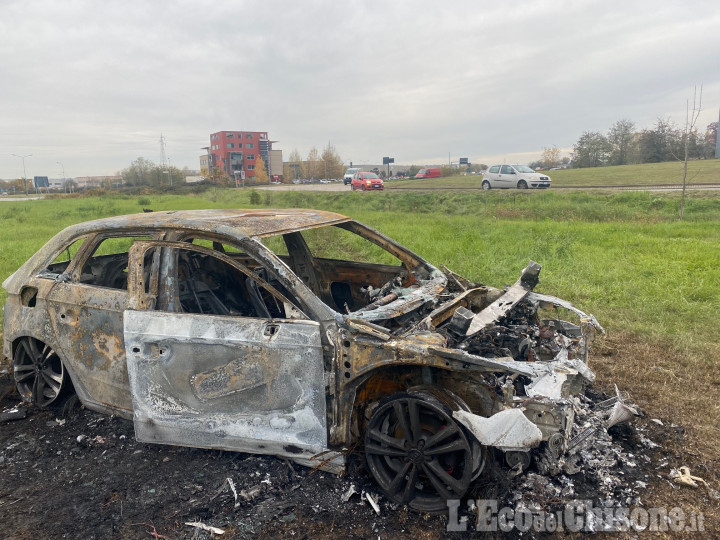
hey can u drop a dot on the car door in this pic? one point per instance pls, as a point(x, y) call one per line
point(211, 367)
point(506, 178)
point(86, 305)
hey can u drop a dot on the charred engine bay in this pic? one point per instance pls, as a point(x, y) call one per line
point(83, 475)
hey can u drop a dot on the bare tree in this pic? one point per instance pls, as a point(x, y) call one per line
point(314, 166)
point(550, 157)
point(691, 117)
point(295, 166)
point(332, 161)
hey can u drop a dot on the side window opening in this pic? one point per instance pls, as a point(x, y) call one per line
point(208, 285)
point(337, 242)
point(65, 257)
point(339, 265)
point(108, 265)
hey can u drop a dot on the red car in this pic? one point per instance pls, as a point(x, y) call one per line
point(366, 180)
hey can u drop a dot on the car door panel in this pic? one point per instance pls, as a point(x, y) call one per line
point(243, 384)
point(506, 178)
point(88, 324)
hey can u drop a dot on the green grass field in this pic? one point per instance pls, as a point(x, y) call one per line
point(705, 171)
point(623, 256)
point(651, 280)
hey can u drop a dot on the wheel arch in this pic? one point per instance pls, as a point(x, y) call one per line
point(75, 384)
point(450, 387)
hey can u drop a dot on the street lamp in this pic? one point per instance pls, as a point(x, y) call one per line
point(24, 175)
point(63, 169)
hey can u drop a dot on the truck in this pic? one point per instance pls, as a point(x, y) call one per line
point(430, 172)
point(347, 179)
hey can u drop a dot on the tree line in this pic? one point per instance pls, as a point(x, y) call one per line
point(143, 172)
point(315, 166)
point(624, 145)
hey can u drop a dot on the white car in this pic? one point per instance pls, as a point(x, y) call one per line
point(514, 176)
point(347, 178)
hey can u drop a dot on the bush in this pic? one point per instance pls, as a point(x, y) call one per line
point(254, 197)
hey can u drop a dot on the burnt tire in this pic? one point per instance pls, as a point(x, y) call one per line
point(417, 453)
point(39, 373)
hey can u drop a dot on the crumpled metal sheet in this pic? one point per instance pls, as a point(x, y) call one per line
point(505, 303)
point(508, 430)
point(555, 301)
point(561, 381)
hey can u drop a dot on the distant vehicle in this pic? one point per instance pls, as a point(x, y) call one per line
point(366, 181)
point(431, 172)
point(514, 176)
point(349, 175)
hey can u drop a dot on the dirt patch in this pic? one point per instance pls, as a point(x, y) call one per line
point(85, 476)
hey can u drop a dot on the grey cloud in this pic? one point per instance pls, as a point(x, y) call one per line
point(93, 84)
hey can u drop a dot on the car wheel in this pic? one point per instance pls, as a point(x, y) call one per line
point(486, 185)
point(362, 187)
point(417, 453)
point(522, 184)
point(39, 373)
point(352, 187)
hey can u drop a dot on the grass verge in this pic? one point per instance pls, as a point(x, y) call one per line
point(652, 281)
point(668, 172)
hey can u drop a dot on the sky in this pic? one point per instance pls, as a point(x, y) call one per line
point(87, 87)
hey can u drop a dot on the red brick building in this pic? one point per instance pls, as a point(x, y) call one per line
point(237, 152)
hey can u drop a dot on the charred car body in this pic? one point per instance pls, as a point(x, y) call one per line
point(244, 330)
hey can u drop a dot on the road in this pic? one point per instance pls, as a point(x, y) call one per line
point(338, 186)
point(7, 199)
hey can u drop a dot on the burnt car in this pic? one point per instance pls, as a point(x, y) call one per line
point(303, 334)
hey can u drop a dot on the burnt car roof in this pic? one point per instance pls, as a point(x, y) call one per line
point(245, 222)
point(229, 222)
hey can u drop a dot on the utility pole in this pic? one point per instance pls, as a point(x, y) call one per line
point(24, 175)
point(717, 139)
point(165, 162)
point(63, 169)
